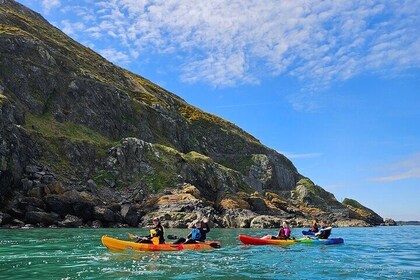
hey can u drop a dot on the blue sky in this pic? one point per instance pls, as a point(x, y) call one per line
point(333, 85)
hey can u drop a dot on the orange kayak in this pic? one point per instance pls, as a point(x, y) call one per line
point(115, 244)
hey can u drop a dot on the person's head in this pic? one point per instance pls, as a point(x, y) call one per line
point(285, 224)
point(324, 223)
point(156, 221)
point(314, 222)
point(198, 224)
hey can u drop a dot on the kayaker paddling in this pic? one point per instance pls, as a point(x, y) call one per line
point(156, 235)
point(198, 233)
point(283, 234)
point(325, 231)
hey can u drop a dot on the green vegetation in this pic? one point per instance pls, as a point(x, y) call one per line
point(54, 135)
point(48, 127)
point(353, 203)
point(159, 181)
point(240, 163)
point(15, 31)
point(102, 176)
point(3, 98)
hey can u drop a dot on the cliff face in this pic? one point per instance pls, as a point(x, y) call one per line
point(73, 122)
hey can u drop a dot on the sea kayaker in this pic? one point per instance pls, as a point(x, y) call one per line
point(325, 231)
point(156, 232)
point(315, 227)
point(198, 233)
point(283, 234)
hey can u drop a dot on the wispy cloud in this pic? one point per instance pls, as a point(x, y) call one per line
point(72, 29)
point(115, 56)
point(48, 5)
point(247, 105)
point(299, 156)
point(405, 169)
point(225, 43)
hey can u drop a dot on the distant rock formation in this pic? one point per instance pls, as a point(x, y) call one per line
point(360, 212)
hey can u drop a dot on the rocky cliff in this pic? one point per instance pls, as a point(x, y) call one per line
point(84, 142)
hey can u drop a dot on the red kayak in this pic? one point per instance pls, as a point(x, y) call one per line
point(259, 241)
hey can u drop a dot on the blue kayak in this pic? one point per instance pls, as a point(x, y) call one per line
point(316, 241)
point(307, 232)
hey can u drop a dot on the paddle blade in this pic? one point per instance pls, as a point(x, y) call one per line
point(215, 245)
point(170, 236)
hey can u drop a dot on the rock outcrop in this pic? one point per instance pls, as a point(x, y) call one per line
point(360, 212)
point(86, 143)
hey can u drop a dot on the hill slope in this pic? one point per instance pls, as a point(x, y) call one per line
point(78, 132)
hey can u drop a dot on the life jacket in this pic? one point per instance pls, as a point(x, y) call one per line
point(284, 233)
point(196, 234)
point(155, 234)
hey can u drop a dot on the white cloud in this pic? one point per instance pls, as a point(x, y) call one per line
point(72, 28)
point(117, 57)
point(225, 43)
point(405, 169)
point(307, 155)
point(48, 5)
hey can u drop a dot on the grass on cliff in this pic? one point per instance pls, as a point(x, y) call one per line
point(54, 134)
point(3, 98)
point(49, 127)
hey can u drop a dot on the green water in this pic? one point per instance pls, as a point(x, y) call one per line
point(368, 253)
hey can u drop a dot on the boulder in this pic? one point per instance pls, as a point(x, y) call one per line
point(37, 191)
point(71, 221)
point(59, 204)
point(26, 202)
point(129, 215)
point(265, 221)
point(97, 224)
point(389, 222)
point(83, 209)
point(236, 218)
point(257, 204)
point(232, 203)
point(103, 214)
point(5, 218)
point(56, 188)
point(36, 217)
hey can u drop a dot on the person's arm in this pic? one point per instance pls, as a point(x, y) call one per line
point(323, 229)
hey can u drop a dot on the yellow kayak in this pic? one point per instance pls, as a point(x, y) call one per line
point(115, 244)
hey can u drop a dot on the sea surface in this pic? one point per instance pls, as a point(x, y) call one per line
point(368, 253)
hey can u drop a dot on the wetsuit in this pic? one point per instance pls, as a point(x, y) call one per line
point(324, 233)
point(193, 237)
point(204, 230)
point(157, 231)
